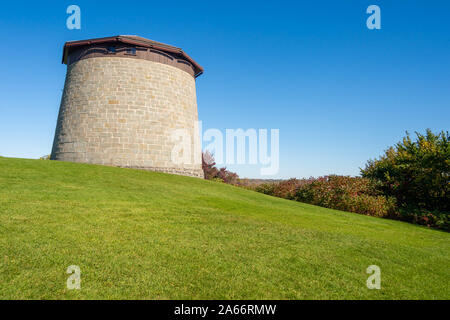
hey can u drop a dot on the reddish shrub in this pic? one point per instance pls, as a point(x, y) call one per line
point(212, 173)
point(352, 194)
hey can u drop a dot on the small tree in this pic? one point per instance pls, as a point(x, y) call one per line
point(208, 166)
point(212, 173)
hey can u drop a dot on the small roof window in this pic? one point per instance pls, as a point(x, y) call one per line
point(131, 51)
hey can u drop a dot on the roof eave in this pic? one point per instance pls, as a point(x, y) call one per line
point(124, 39)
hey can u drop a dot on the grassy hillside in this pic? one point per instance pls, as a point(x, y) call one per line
point(144, 235)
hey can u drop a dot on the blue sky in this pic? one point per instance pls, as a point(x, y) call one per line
point(338, 92)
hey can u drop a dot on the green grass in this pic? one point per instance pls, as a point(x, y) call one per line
point(145, 235)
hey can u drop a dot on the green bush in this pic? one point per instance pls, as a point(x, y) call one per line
point(435, 219)
point(417, 174)
point(266, 188)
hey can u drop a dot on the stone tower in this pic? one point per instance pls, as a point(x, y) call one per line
point(124, 97)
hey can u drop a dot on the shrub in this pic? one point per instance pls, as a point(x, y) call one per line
point(266, 188)
point(212, 173)
point(208, 166)
point(352, 194)
point(417, 174)
point(427, 218)
point(284, 189)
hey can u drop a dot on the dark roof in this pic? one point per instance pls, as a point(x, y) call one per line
point(133, 40)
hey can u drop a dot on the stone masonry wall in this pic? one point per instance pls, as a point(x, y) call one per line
point(122, 112)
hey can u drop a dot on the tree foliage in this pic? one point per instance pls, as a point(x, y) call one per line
point(213, 173)
point(416, 172)
point(353, 194)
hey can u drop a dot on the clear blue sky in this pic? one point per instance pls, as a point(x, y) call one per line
point(339, 93)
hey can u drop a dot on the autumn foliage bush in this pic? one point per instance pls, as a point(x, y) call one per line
point(353, 194)
point(211, 172)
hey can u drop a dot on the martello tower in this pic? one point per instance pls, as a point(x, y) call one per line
point(123, 98)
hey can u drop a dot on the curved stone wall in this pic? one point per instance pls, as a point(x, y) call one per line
point(123, 112)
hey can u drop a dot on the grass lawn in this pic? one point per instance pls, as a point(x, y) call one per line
point(145, 235)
